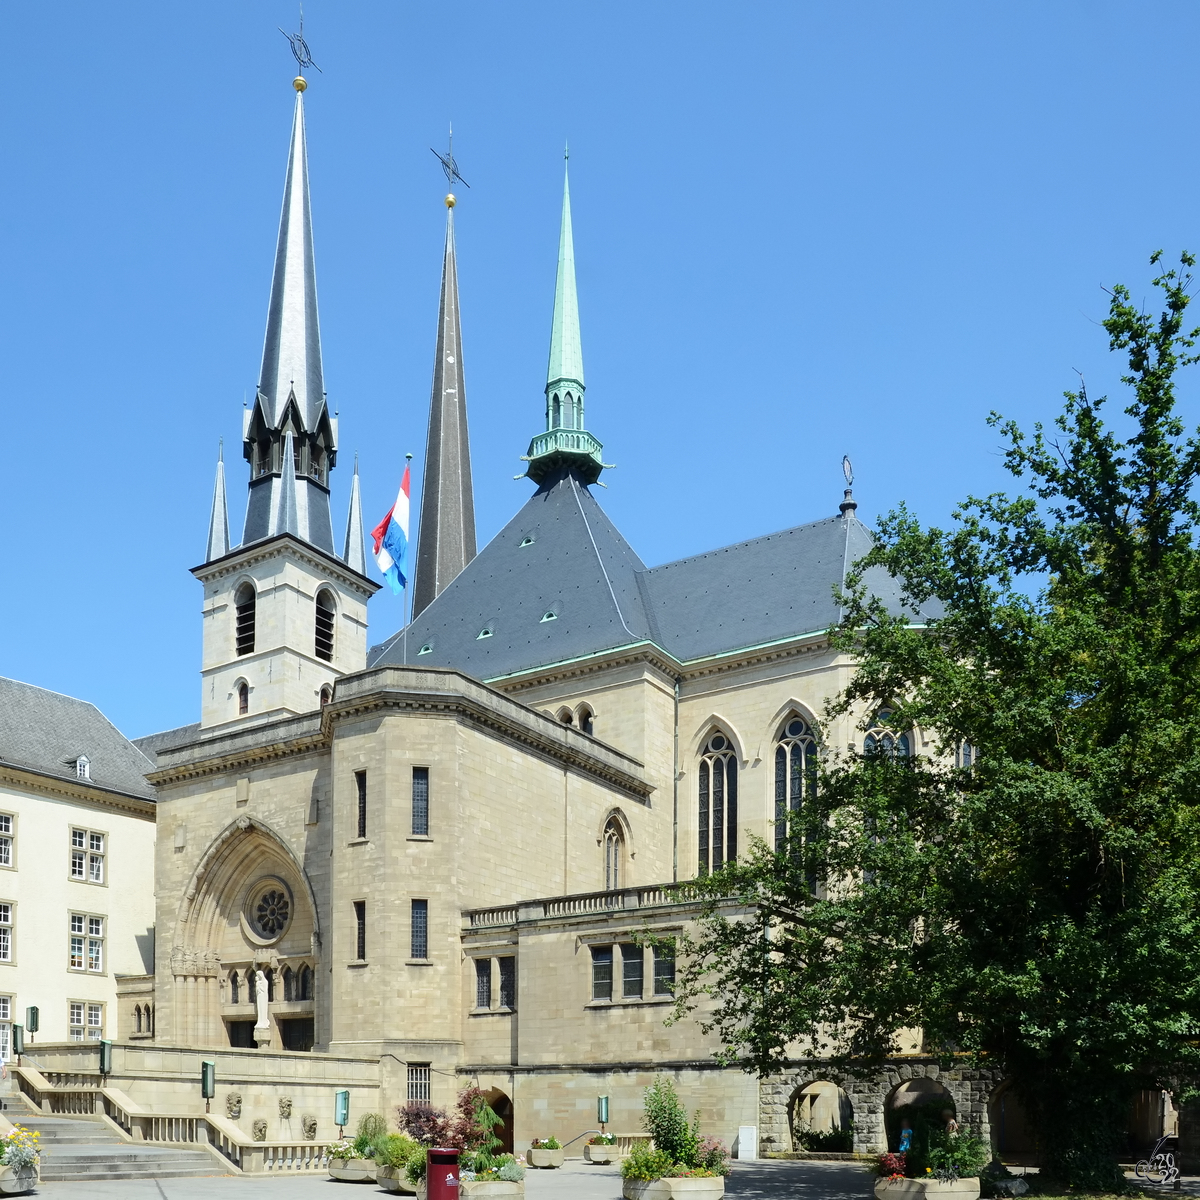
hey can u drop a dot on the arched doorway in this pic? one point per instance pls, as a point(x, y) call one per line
point(502, 1106)
point(820, 1117)
point(1013, 1133)
point(1151, 1115)
point(921, 1105)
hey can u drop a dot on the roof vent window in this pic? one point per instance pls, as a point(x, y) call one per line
point(426, 649)
point(550, 615)
point(485, 632)
point(527, 540)
point(83, 767)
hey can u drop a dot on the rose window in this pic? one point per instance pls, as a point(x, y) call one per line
point(271, 913)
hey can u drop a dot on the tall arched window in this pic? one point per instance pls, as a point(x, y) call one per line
point(884, 740)
point(795, 772)
point(243, 695)
point(244, 604)
point(324, 626)
point(289, 984)
point(587, 722)
point(569, 412)
point(233, 988)
point(614, 855)
point(137, 1018)
point(304, 983)
point(555, 412)
point(718, 804)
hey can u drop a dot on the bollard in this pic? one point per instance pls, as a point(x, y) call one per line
point(441, 1173)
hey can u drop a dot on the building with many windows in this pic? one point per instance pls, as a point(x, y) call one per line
point(76, 866)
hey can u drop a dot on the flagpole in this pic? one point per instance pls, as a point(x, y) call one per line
point(408, 583)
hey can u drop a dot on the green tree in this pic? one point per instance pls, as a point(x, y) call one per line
point(1038, 906)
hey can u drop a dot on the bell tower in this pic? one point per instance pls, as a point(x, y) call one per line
point(284, 614)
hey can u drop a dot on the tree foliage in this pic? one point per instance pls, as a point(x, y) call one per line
point(1037, 908)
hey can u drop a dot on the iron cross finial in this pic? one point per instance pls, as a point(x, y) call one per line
point(449, 166)
point(300, 46)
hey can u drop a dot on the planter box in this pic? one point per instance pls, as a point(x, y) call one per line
point(491, 1187)
point(668, 1189)
point(917, 1189)
point(546, 1158)
point(393, 1179)
point(17, 1182)
point(600, 1154)
point(352, 1170)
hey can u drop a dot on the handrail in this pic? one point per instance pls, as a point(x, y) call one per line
point(170, 1128)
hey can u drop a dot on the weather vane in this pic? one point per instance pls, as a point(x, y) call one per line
point(847, 470)
point(448, 163)
point(300, 46)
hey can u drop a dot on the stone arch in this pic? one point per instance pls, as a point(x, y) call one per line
point(715, 723)
point(770, 732)
point(922, 1094)
point(502, 1105)
point(821, 1107)
point(1014, 1136)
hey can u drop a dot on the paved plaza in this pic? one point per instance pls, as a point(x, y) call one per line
point(575, 1181)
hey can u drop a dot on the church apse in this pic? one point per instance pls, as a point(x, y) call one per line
point(244, 963)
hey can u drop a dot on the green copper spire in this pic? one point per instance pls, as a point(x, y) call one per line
point(566, 444)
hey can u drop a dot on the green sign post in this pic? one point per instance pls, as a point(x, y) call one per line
point(602, 1111)
point(208, 1081)
point(32, 1019)
point(106, 1057)
point(18, 1040)
point(341, 1109)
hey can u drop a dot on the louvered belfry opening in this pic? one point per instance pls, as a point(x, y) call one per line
point(324, 638)
point(244, 604)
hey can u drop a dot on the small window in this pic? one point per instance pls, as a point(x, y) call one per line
point(360, 921)
point(326, 695)
point(483, 983)
point(508, 981)
point(420, 929)
point(485, 632)
point(549, 615)
point(420, 801)
point(527, 540)
point(244, 604)
point(243, 695)
point(7, 841)
point(86, 943)
point(233, 988)
point(418, 1083)
point(304, 983)
point(587, 722)
point(426, 649)
point(88, 853)
point(83, 767)
point(964, 756)
point(137, 1018)
point(555, 412)
point(632, 971)
point(85, 1021)
point(602, 972)
point(324, 626)
point(360, 782)
point(664, 970)
point(6, 932)
point(289, 984)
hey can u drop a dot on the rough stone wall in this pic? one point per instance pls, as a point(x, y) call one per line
point(868, 1094)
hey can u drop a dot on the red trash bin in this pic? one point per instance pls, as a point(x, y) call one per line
point(441, 1173)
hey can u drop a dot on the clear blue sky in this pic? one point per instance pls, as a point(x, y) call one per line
point(802, 230)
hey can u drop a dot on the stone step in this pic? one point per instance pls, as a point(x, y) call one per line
point(51, 1175)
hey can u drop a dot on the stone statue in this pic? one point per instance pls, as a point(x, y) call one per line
point(260, 999)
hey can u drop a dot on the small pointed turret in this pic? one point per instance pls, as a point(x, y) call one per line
point(286, 516)
point(446, 539)
point(355, 554)
point(566, 442)
point(290, 395)
point(218, 521)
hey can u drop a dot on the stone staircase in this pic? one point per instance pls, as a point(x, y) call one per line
point(74, 1150)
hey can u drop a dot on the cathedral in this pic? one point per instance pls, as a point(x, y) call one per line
point(458, 853)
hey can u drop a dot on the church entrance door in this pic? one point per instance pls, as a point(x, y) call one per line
point(297, 1033)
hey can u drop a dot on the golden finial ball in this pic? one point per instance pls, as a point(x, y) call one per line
point(450, 200)
point(300, 83)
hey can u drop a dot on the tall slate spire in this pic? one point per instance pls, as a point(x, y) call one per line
point(291, 390)
point(218, 521)
point(566, 444)
point(446, 542)
point(355, 554)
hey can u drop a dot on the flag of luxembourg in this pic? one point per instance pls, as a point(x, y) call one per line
point(391, 540)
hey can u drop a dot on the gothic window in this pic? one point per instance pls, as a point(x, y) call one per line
point(324, 629)
point(795, 772)
point(718, 804)
point(137, 1018)
point(566, 716)
point(296, 455)
point(244, 604)
point(304, 983)
point(586, 720)
point(243, 695)
point(233, 988)
point(884, 741)
point(270, 974)
point(251, 986)
point(289, 984)
point(316, 464)
point(569, 411)
point(614, 855)
point(326, 695)
point(263, 449)
point(965, 756)
point(555, 412)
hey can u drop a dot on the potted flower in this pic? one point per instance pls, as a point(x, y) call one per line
point(601, 1148)
point(678, 1162)
point(948, 1167)
point(20, 1156)
point(503, 1175)
point(392, 1154)
point(353, 1160)
point(546, 1152)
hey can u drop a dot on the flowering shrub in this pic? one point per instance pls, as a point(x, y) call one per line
point(20, 1148)
point(712, 1155)
point(677, 1150)
point(892, 1166)
point(343, 1149)
point(505, 1167)
point(602, 1139)
point(646, 1164)
point(550, 1143)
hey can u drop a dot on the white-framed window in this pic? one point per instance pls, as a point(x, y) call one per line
point(6, 1007)
point(86, 1021)
point(6, 931)
point(8, 840)
point(88, 850)
point(86, 943)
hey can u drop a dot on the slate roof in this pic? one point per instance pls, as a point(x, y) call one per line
point(153, 744)
point(561, 554)
point(46, 732)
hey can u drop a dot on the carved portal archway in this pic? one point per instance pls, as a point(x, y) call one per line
point(248, 914)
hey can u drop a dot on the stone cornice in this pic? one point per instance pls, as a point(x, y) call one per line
point(244, 556)
point(405, 689)
point(592, 664)
point(77, 791)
